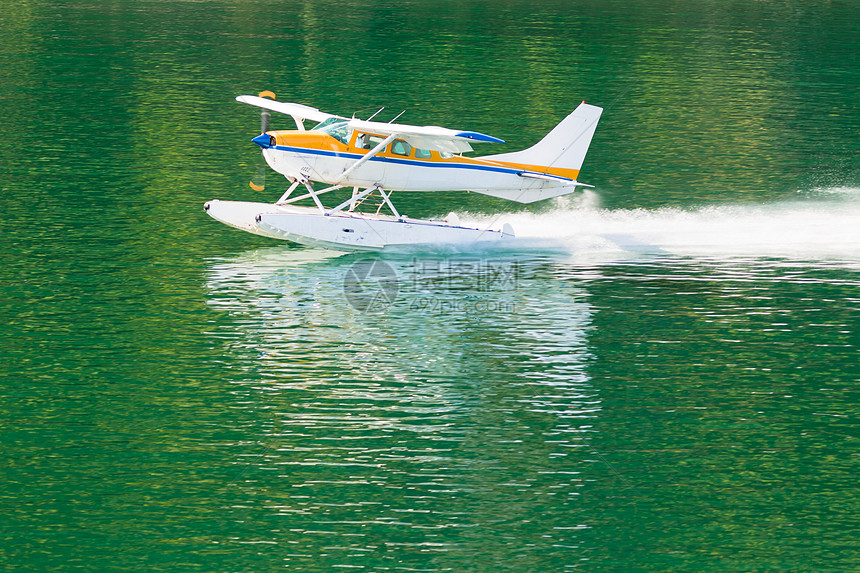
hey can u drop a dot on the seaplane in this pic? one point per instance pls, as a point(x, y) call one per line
point(375, 159)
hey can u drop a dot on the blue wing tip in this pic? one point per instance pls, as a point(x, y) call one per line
point(479, 136)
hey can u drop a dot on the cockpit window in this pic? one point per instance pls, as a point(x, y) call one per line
point(335, 127)
point(326, 123)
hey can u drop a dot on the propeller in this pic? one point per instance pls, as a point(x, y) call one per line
point(258, 181)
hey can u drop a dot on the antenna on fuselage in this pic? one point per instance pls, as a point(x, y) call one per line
point(398, 115)
point(375, 114)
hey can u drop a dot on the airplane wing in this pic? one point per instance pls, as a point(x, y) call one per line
point(425, 137)
point(296, 110)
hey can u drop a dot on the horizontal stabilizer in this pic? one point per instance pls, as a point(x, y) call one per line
point(544, 177)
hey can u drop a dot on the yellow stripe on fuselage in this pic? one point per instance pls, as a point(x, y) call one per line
point(325, 142)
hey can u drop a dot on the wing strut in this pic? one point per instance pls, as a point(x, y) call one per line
point(370, 154)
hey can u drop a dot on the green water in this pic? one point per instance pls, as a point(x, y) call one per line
point(662, 375)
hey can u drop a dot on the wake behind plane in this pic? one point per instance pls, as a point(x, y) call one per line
point(376, 159)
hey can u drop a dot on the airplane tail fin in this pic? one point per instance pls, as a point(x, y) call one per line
point(564, 147)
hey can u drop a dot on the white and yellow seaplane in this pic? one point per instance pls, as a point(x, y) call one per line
point(376, 158)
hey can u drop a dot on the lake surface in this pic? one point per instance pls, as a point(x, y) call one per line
point(661, 374)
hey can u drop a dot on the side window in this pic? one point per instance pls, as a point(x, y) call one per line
point(422, 153)
point(446, 155)
point(365, 141)
point(400, 147)
point(362, 141)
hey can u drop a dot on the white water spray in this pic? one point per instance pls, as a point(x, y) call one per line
point(823, 226)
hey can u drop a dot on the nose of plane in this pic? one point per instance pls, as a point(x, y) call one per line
point(264, 140)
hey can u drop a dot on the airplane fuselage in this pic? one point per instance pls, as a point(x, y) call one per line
point(319, 156)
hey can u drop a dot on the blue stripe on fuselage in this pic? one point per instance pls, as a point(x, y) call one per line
point(402, 161)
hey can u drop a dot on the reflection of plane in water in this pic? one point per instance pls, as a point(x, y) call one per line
point(301, 358)
point(377, 158)
point(309, 287)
